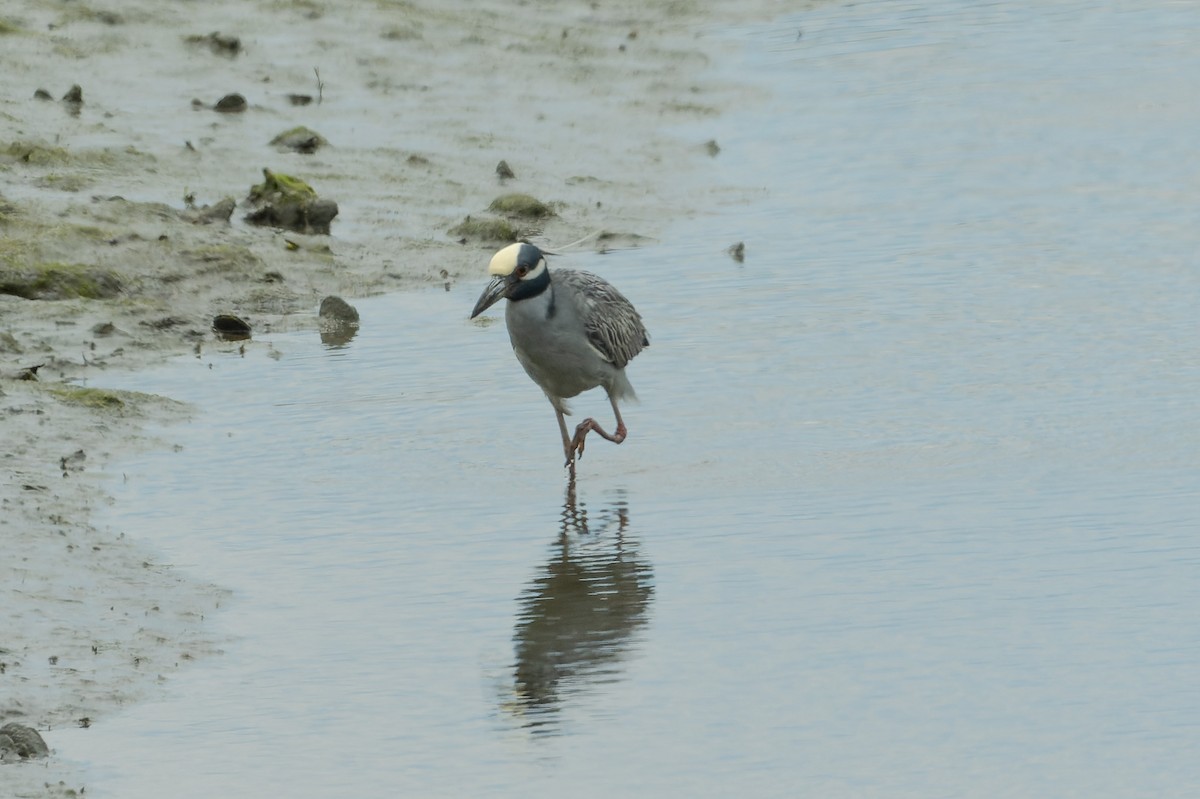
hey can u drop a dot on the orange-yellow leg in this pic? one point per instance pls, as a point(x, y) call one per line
point(587, 425)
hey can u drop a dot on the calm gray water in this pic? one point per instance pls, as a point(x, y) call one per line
point(909, 507)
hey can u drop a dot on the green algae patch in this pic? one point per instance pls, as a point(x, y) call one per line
point(26, 152)
point(484, 229)
point(59, 281)
point(525, 206)
point(95, 398)
point(277, 186)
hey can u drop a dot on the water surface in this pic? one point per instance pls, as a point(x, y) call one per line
point(908, 507)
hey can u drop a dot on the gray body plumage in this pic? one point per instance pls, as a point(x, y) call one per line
point(576, 335)
point(571, 330)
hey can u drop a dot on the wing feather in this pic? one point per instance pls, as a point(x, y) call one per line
point(613, 325)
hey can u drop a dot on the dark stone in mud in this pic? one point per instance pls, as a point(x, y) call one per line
point(230, 328)
point(73, 95)
point(217, 42)
point(231, 104)
point(313, 217)
point(737, 251)
point(504, 171)
point(24, 742)
point(283, 201)
point(42, 94)
point(335, 309)
point(299, 139)
point(712, 148)
point(339, 322)
point(300, 99)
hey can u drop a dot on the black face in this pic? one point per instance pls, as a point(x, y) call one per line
point(527, 260)
point(520, 285)
point(529, 278)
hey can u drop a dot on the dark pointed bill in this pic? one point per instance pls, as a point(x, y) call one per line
point(490, 296)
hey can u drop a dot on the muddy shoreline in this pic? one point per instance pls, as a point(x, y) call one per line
point(115, 250)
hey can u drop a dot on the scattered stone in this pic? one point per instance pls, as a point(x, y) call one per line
point(24, 742)
point(103, 329)
point(300, 99)
point(712, 147)
point(42, 94)
point(504, 171)
point(737, 251)
point(299, 139)
point(230, 328)
point(286, 202)
point(231, 104)
point(219, 43)
point(335, 309)
point(339, 321)
point(73, 95)
point(520, 205)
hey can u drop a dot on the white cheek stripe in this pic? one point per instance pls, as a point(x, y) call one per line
point(537, 270)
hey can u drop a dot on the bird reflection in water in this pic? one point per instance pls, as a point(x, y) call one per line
point(579, 615)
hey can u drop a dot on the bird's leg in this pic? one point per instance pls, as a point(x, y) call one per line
point(568, 447)
point(590, 424)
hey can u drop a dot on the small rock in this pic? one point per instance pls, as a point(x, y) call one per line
point(103, 329)
point(283, 201)
point(339, 321)
point(230, 328)
point(42, 94)
point(231, 104)
point(25, 742)
point(335, 309)
point(712, 148)
point(504, 171)
point(73, 95)
point(299, 139)
point(299, 99)
point(737, 251)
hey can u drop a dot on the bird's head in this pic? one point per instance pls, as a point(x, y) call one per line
point(518, 271)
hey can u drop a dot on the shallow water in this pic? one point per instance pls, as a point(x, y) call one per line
point(908, 507)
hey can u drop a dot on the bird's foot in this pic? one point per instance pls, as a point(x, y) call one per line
point(587, 425)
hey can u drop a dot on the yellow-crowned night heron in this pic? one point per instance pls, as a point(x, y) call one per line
point(571, 330)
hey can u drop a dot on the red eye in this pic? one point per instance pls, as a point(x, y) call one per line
point(522, 271)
